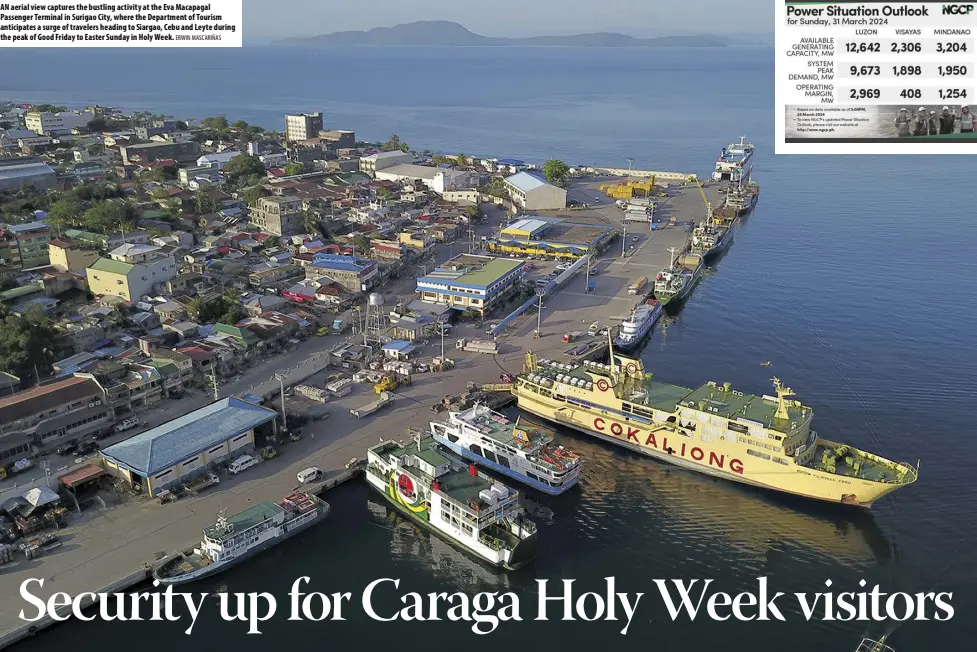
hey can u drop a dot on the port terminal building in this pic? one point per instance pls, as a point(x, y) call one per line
point(173, 453)
point(471, 283)
point(550, 238)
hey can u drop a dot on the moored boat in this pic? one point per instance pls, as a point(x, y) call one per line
point(674, 284)
point(234, 539)
point(638, 324)
point(465, 508)
point(762, 441)
point(710, 240)
point(518, 449)
point(735, 162)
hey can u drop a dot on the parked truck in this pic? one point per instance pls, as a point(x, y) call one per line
point(201, 482)
point(370, 408)
point(636, 287)
point(338, 326)
point(477, 346)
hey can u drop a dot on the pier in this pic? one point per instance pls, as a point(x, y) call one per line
point(112, 549)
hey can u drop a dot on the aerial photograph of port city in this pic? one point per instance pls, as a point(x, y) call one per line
point(439, 308)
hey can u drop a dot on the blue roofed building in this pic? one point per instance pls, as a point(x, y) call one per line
point(174, 452)
point(530, 191)
point(352, 272)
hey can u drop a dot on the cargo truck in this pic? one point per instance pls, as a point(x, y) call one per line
point(636, 287)
point(477, 346)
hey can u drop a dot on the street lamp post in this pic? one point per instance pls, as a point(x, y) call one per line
point(539, 315)
point(630, 162)
point(281, 384)
point(624, 236)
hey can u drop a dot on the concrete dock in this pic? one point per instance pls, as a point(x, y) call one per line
point(111, 549)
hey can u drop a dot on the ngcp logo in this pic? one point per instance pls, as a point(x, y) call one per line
point(957, 10)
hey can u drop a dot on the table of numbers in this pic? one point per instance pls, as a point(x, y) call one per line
point(876, 77)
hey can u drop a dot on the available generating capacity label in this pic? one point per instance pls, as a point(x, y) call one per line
point(121, 24)
point(876, 77)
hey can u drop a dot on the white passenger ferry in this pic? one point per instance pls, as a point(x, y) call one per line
point(735, 162)
point(468, 510)
point(518, 449)
point(233, 539)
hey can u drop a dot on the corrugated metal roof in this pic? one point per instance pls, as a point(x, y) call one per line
point(160, 448)
point(527, 224)
point(525, 181)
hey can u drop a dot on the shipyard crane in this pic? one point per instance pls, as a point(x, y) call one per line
point(705, 200)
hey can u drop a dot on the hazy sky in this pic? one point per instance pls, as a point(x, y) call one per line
point(279, 18)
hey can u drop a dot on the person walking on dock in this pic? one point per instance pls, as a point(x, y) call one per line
point(947, 120)
point(902, 123)
point(966, 120)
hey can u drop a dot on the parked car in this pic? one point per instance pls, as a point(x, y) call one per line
point(87, 448)
point(310, 474)
point(242, 463)
point(126, 424)
point(635, 238)
point(67, 449)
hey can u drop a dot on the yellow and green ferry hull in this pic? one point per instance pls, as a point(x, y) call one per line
point(719, 457)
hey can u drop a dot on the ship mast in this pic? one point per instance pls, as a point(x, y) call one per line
point(672, 251)
point(782, 394)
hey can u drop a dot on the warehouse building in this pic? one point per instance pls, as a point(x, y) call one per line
point(173, 453)
point(550, 238)
point(472, 283)
point(531, 192)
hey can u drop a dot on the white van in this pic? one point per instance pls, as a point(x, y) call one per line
point(242, 463)
point(310, 474)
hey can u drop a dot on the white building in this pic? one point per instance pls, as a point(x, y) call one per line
point(384, 160)
point(437, 179)
point(56, 124)
point(302, 126)
point(532, 193)
point(219, 160)
point(274, 160)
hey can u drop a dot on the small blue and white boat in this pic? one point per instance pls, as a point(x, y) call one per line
point(518, 449)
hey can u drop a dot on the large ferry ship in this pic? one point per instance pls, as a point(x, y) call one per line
point(735, 162)
point(467, 509)
point(637, 325)
point(763, 441)
point(523, 451)
point(233, 539)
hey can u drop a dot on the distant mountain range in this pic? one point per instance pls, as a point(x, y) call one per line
point(437, 32)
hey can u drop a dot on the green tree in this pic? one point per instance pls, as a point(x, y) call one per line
point(362, 244)
point(240, 125)
point(98, 123)
point(26, 342)
point(294, 168)
point(393, 144)
point(181, 125)
point(65, 213)
point(204, 204)
point(385, 194)
point(218, 122)
point(48, 108)
point(310, 221)
point(95, 149)
point(107, 216)
point(462, 159)
point(253, 194)
point(556, 171)
point(243, 166)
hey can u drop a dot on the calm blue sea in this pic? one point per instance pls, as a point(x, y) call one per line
point(855, 276)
